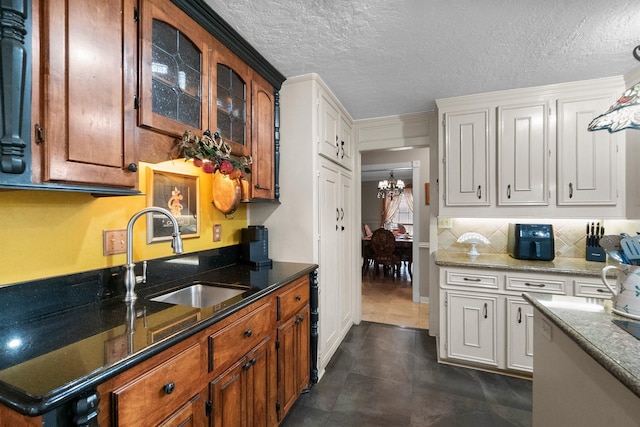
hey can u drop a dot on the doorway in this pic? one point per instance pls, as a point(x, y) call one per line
point(397, 300)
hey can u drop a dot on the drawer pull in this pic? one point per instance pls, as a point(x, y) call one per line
point(486, 310)
point(248, 333)
point(168, 388)
point(535, 285)
point(249, 364)
point(467, 279)
point(298, 297)
point(299, 319)
point(601, 290)
point(519, 314)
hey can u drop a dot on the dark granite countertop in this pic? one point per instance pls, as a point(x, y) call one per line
point(560, 265)
point(63, 336)
point(588, 322)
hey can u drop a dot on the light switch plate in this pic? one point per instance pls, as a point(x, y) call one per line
point(114, 242)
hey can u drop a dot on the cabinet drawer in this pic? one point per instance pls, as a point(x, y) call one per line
point(590, 288)
point(466, 278)
point(293, 299)
point(234, 341)
point(534, 283)
point(157, 393)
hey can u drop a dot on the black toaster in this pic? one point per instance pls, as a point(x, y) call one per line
point(531, 241)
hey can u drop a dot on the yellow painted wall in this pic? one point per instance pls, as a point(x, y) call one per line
point(49, 233)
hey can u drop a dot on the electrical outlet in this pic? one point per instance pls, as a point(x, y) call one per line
point(114, 242)
point(217, 232)
point(445, 222)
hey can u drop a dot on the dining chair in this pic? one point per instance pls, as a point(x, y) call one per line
point(383, 244)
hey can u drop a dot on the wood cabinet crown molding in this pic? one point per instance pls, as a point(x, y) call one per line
point(200, 12)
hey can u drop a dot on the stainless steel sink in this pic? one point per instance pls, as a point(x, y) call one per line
point(202, 294)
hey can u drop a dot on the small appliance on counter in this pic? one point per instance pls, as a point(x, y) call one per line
point(255, 246)
point(531, 242)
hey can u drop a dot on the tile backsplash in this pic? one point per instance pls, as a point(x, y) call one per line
point(569, 234)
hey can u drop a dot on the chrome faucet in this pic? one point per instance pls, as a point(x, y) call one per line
point(130, 278)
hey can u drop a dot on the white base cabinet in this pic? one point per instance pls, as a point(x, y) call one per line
point(484, 321)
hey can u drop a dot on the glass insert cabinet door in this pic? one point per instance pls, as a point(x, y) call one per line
point(176, 69)
point(231, 105)
point(174, 78)
point(231, 112)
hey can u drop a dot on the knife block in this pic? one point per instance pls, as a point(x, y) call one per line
point(596, 253)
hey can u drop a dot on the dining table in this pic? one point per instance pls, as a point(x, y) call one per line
point(404, 248)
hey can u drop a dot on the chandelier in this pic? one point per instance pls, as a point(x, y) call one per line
point(390, 187)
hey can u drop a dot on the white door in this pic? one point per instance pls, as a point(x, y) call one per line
point(467, 158)
point(586, 160)
point(519, 334)
point(522, 155)
point(346, 250)
point(329, 261)
point(472, 327)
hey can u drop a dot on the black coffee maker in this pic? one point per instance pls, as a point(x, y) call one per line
point(255, 246)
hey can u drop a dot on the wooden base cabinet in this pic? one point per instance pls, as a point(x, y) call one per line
point(293, 344)
point(245, 394)
point(163, 395)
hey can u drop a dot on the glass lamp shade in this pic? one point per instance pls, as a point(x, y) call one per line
point(390, 188)
point(624, 114)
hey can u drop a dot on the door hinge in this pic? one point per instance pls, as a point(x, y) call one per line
point(277, 344)
point(278, 406)
point(446, 302)
point(446, 346)
point(39, 134)
point(208, 407)
point(136, 14)
point(444, 122)
point(136, 102)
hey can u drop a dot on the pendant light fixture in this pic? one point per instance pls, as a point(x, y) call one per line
point(390, 187)
point(625, 113)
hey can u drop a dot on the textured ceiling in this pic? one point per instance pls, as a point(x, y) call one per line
point(384, 57)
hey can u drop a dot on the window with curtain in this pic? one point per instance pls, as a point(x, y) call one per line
point(399, 210)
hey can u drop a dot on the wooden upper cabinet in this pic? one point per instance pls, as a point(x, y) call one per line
point(174, 70)
point(231, 112)
point(262, 144)
point(84, 74)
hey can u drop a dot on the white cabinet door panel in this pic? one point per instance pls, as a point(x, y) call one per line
point(472, 328)
point(522, 155)
point(519, 335)
point(467, 155)
point(586, 160)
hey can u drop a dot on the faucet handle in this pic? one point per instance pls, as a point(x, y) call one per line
point(143, 278)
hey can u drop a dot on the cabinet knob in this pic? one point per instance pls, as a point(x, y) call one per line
point(132, 167)
point(298, 297)
point(168, 388)
point(248, 333)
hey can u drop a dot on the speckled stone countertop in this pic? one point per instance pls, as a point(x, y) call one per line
point(588, 322)
point(560, 265)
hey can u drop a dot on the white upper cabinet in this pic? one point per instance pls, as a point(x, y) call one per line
point(586, 160)
point(335, 132)
point(531, 148)
point(467, 151)
point(522, 155)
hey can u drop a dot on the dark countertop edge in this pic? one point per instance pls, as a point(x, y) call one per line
point(38, 405)
point(604, 360)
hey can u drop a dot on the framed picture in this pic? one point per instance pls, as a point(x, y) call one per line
point(426, 193)
point(178, 193)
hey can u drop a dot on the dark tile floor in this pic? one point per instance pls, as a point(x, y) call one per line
point(384, 375)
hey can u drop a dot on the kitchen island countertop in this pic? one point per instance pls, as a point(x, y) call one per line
point(588, 322)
